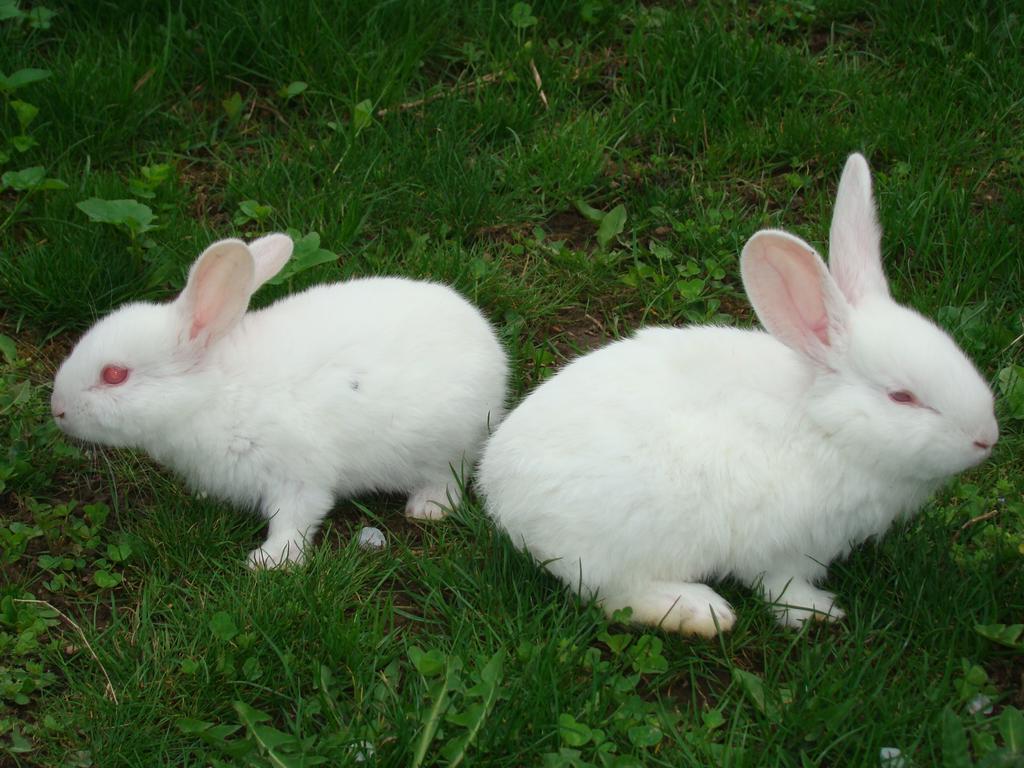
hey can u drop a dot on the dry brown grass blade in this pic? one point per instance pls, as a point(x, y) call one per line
point(974, 521)
point(539, 83)
point(111, 693)
point(472, 85)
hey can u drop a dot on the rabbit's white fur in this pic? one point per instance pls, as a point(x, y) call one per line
point(688, 454)
point(376, 384)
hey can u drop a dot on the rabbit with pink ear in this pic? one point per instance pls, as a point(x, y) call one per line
point(377, 384)
point(683, 455)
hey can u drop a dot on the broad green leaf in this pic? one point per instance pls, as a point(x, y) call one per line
point(954, 741)
point(97, 513)
point(522, 16)
point(292, 89)
point(22, 78)
point(713, 719)
point(480, 268)
point(270, 737)
point(362, 114)
point(566, 758)
point(690, 290)
point(40, 17)
point(647, 657)
point(105, 580)
point(27, 178)
point(257, 210)
point(49, 183)
point(428, 663)
point(1004, 634)
point(157, 173)
point(131, 214)
point(223, 626)
point(611, 225)
point(251, 210)
point(193, 726)
point(572, 732)
point(493, 670)
point(217, 735)
point(616, 643)
point(644, 736)
point(9, 10)
point(455, 750)
point(221, 732)
point(1011, 386)
point(119, 552)
point(661, 252)
point(625, 683)
point(150, 177)
point(251, 668)
point(590, 11)
point(440, 701)
point(233, 106)
point(50, 562)
point(465, 717)
point(248, 715)
point(324, 679)
point(622, 615)
point(753, 687)
point(23, 143)
point(999, 758)
point(588, 212)
point(473, 716)
point(1011, 728)
point(25, 112)
point(8, 349)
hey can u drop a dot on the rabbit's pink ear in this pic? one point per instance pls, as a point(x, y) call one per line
point(218, 290)
point(270, 253)
point(855, 239)
point(793, 294)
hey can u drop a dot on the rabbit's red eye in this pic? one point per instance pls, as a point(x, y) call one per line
point(903, 397)
point(113, 374)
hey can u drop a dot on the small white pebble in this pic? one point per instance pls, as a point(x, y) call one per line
point(364, 749)
point(980, 703)
point(372, 538)
point(891, 757)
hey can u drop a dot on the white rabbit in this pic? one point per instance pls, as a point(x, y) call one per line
point(689, 454)
point(377, 384)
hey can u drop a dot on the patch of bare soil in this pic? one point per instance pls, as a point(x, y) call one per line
point(774, 192)
point(206, 182)
point(571, 228)
point(576, 331)
point(989, 192)
point(1007, 674)
point(567, 226)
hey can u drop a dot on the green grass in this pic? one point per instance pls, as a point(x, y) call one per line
point(421, 147)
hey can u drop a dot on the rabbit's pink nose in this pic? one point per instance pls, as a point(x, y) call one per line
point(57, 407)
point(987, 437)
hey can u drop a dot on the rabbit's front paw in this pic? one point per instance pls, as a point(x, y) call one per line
point(799, 601)
point(276, 555)
point(683, 607)
point(431, 503)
